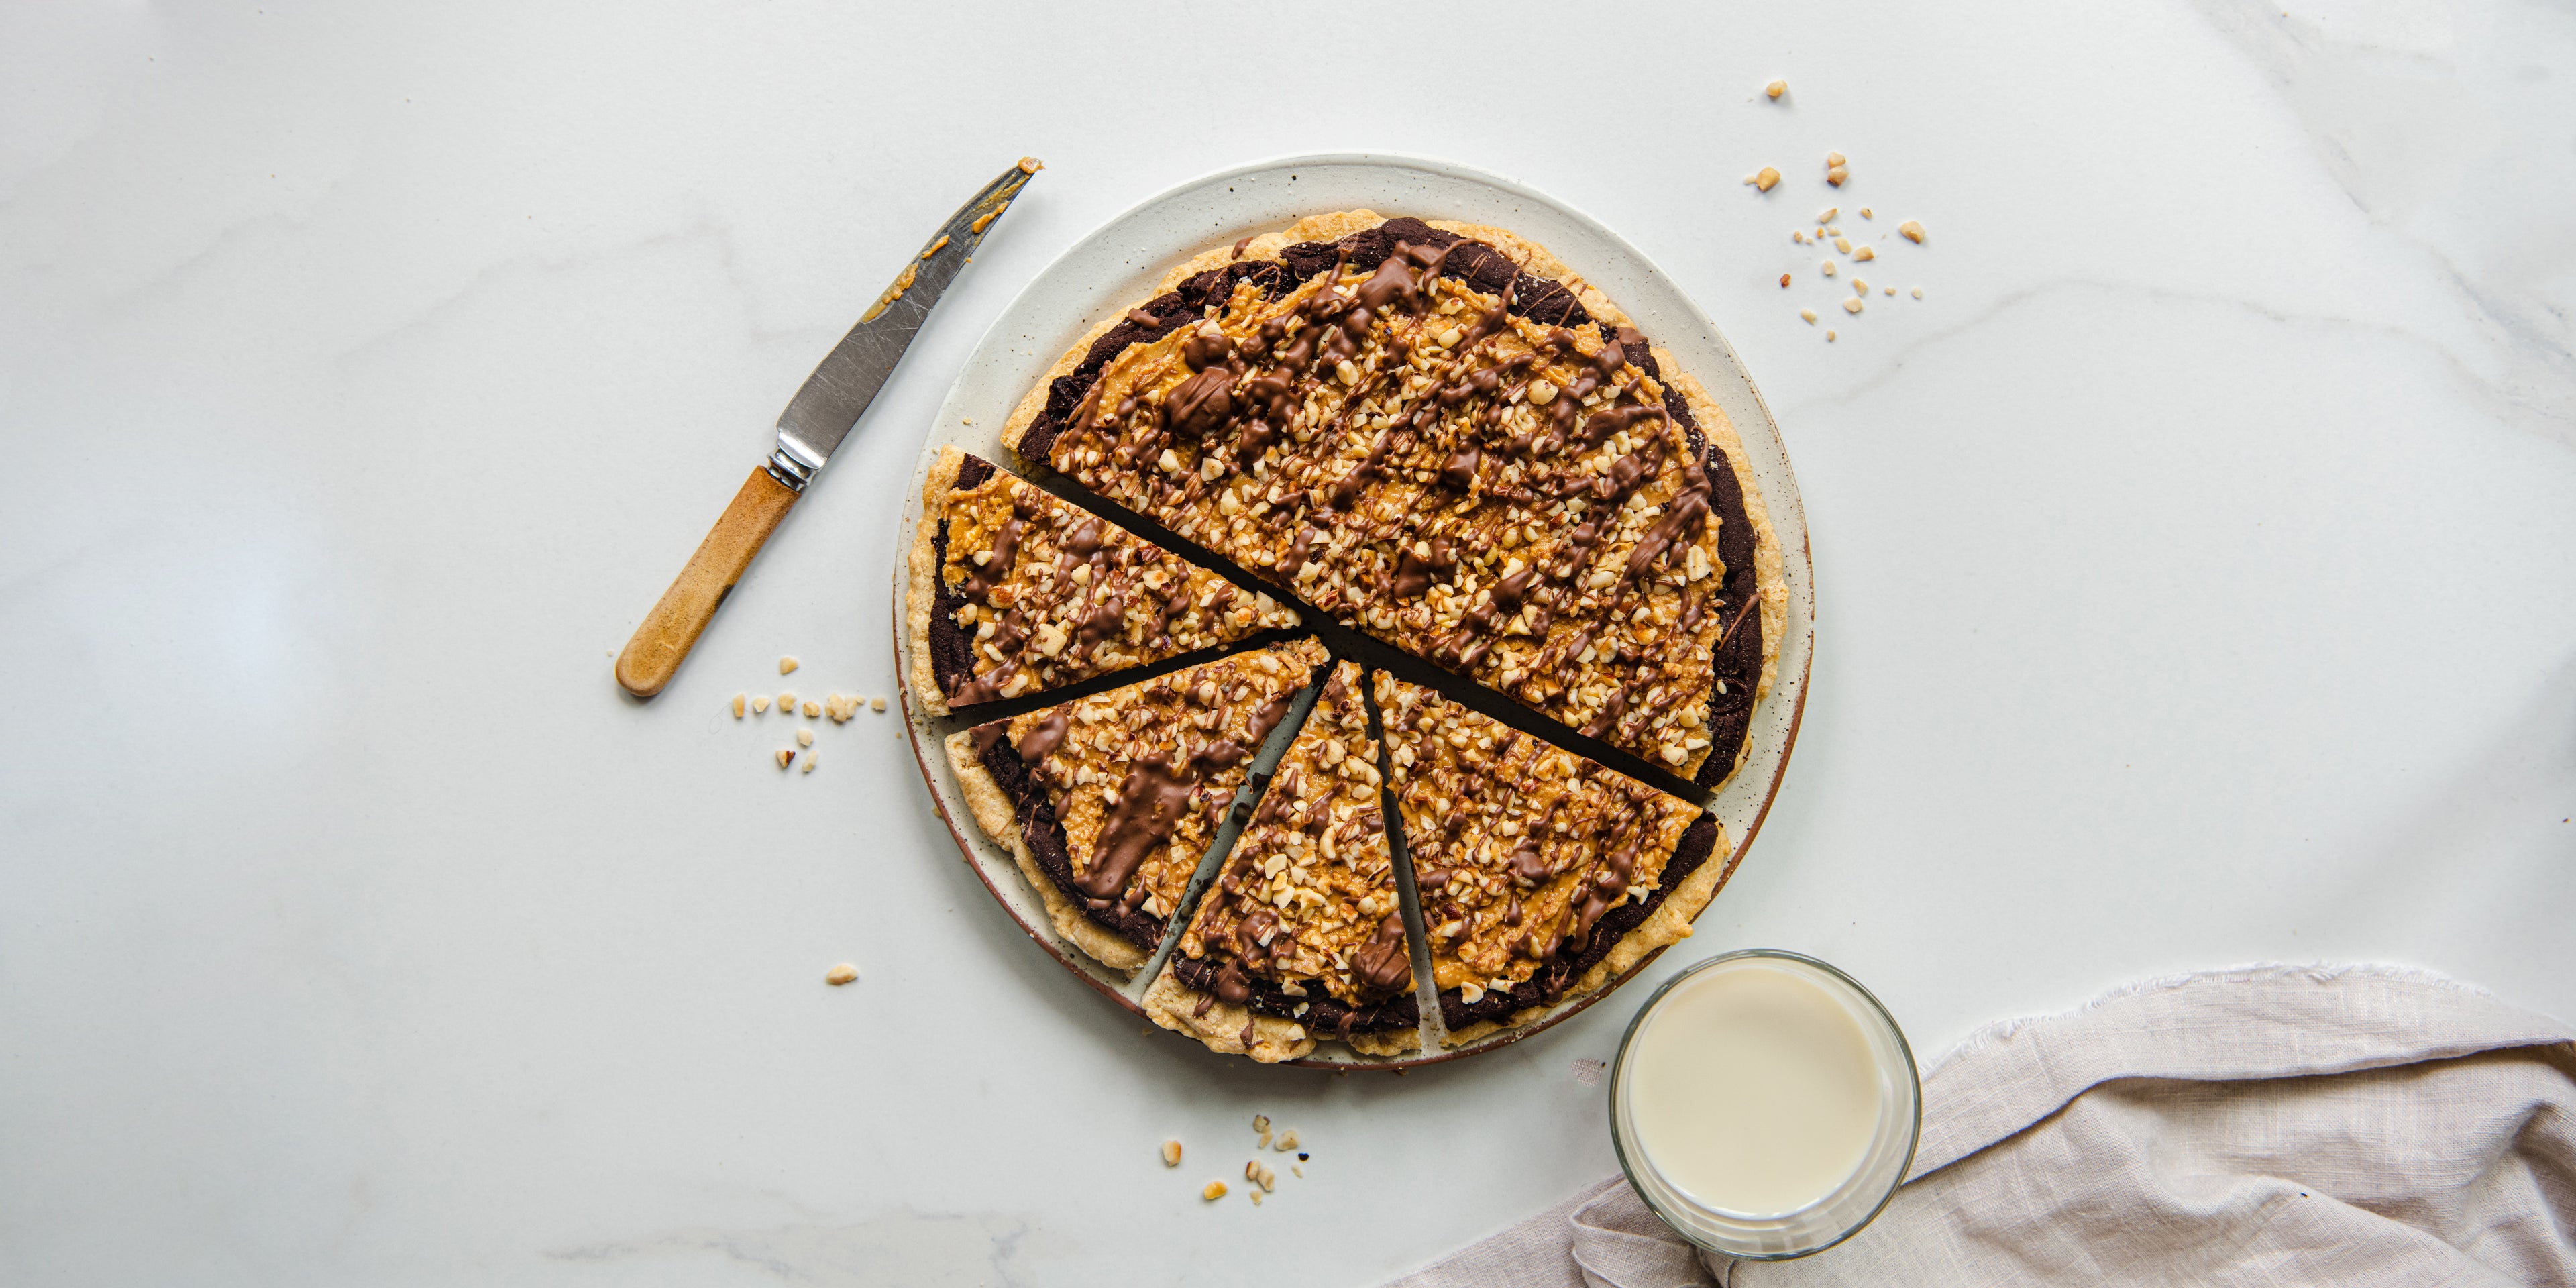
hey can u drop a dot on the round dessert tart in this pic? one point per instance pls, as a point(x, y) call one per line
point(1407, 642)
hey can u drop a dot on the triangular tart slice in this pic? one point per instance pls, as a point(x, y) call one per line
point(1016, 592)
point(1542, 874)
point(1109, 802)
point(1299, 939)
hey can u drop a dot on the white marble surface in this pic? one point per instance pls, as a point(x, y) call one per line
point(2196, 567)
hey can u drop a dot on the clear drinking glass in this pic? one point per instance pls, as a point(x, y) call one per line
point(1840, 1214)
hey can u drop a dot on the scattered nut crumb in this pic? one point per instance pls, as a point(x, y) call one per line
point(786, 704)
point(1918, 292)
point(1784, 281)
point(1852, 305)
point(1843, 244)
point(761, 704)
point(842, 974)
point(1256, 1197)
point(1829, 268)
point(1913, 231)
point(1301, 1172)
point(1766, 179)
point(785, 755)
point(1864, 253)
point(1859, 287)
point(1259, 1173)
point(1836, 176)
point(737, 706)
point(1171, 1153)
point(810, 758)
point(804, 737)
point(1864, 213)
point(786, 664)
point(1828, 216)
point(1776, 88)
point(1215, 1190)
point(1829, 335)
point(876, 704)
point(1800, 238)
point(1286, 1142)
point(1833, 159)
point(1809, 315)
point(1891, 290)
point(812, 708)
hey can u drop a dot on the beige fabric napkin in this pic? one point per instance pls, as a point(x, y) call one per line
point(2264, 1125)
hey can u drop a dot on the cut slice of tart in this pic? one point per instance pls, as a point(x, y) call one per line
point(1423, 430)
point(1542, 875)
point(1016, 592)
point(1109, 802)
point(1299, 939)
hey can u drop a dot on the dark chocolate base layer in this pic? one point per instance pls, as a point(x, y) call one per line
point(1324, 1012)
point(1046, 840)
point(952, 655)
point(1552, 979)
point(1737, 660)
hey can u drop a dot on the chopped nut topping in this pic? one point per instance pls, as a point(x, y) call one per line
point(1913, 231)
point(1390, 499)
point(1171, 1153)
point(1505, 911)
point(1079, 596)
point(1215, 1190)
point(841, 974)
point(786, 664)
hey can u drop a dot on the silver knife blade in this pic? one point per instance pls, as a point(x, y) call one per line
point(840, 389)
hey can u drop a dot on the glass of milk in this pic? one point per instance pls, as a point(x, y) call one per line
point(1764, 1105)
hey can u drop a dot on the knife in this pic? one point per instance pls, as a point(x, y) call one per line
point(816, 420)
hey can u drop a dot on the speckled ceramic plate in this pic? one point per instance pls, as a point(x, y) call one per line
point(1124, 260)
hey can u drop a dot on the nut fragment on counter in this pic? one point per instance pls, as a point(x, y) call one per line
point(1765, 179)
point(1913, 231)
point(1259, 1173)
point(787, 704)
point(785, 754)
point(812, 708)
point(1171, 1153)
point(1215, 1190)
point(1784, 281)
point(1809, 315)
point(804, 737)
point(876, 704)
point(786, 664)
point(1864, 253)
point(760, 705)
point(737, 706)
point(810, 758)
point(1918, 292)
point(1287, 1141)
point(841, 974)
point(1776, 88)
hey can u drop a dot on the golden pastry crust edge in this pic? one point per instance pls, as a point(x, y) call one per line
point(995, 814)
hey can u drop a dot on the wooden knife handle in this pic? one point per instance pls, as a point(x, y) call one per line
point(673, 627)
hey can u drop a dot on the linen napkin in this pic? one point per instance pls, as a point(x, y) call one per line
point(2260, 1125)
